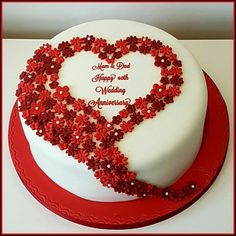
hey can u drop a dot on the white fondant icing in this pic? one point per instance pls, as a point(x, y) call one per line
point(160, 150)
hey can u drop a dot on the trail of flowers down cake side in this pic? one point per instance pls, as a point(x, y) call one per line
point(82, 131)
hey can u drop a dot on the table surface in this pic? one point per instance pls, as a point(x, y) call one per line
point(213, 212)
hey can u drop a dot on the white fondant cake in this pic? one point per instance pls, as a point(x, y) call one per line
point(160, 150)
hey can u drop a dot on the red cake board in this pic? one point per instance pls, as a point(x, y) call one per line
point(128, 214)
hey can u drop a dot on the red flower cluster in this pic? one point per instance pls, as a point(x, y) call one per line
point(83, 132)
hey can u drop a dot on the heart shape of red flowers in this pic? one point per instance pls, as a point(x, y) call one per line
point(81, 130)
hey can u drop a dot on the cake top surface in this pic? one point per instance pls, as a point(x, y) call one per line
point(123, 85)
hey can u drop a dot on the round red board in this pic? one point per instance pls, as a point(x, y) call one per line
point(128, 214)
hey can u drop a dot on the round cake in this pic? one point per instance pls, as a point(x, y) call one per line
point(113, 110)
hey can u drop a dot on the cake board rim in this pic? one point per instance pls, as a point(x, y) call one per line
point(129, 214)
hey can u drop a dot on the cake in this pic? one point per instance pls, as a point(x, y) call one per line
point(114, 110)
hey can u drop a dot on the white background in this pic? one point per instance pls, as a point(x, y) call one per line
point(183, 20)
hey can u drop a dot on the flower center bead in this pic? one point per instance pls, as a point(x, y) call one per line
point(166, 193)
point(192, 186)
point(61, 92)
point(115, 133)
point(108, 125)
point(159, 89)
point(36, 108)
point(77, 136)
point(108, 166)
point(162, 60)
point(57, 122)
point(52, 66)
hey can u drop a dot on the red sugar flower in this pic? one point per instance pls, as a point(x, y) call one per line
point(110, 59)
point(144, 40)
point(136, 118)
point(79, 104)
point(81, 119)
point(133, 47)
point(40, 79)
point(76, 138)
point(89, 145)
point(165, 72)
point(171, 56)
point(101, 133)
point(175, 71)
point(100, 153)
point(34, 126)
point(61, 93)
point(44, 95)
point(81, 156)
point(176, 80)
point(52, 68)
point(132, 40)
point(95, 114)
point(95, 50)
point(100, 42)
point(63, 145)
point(27, 88)
point(114, 151)
point(124, 113)
point(168, 99)
point(140, 103)
point(163, 62)
point(153, 52)
point(59, 59)
point(59, 122)
point(117, 55)
point(32, 65)
point(158, 105)
point(177, 63)
point(53, 53)
point(148, 112)
point(109, 48)
point(164, 80)
point(117, 134)
point(159, 90)
point(174, 91)
point(45, 47)
point(76, 42)
point(54, 77)
point(165, 49)
point(126, 126)
point(108, 126)
point(124, 50)
point(25, 114)
point(116, 119)
point(60, 108)
point(120, 43)
point(63, 45)
point(37, 108)
point(120, 160)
